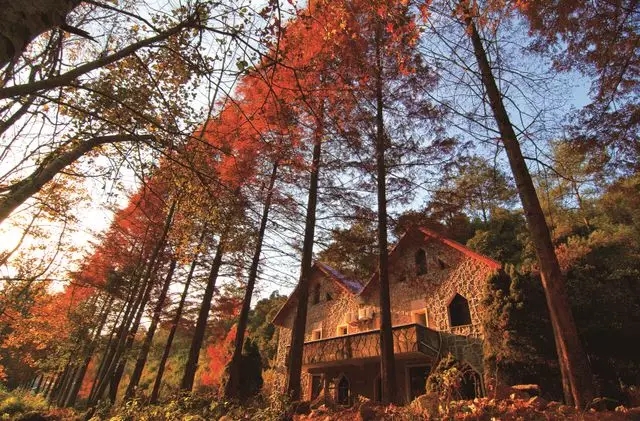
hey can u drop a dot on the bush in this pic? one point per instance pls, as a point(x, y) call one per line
point(19, 402)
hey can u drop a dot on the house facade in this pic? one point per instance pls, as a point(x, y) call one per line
point(436, 288)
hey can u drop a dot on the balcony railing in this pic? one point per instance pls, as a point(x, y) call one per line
point(410, 338)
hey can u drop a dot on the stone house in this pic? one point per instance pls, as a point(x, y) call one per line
point(436, 287)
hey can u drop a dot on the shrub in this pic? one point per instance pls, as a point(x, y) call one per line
point(19, 402)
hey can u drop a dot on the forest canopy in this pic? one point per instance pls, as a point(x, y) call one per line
point(169, 171)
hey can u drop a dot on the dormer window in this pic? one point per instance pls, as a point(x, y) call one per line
point(328, 297)
point(421, 262)
point(316, 294)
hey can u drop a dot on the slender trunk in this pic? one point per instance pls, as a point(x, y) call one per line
point(122, 356)
point(52, 387)
point(116, 367)
point(574, 366)
point(117, 330)
point(39, 384)
point(58, 385)
point(232, 387)
point(300, 321)
point(66, 384)
point(387, 358)
point(77, 382)
point(174, 325)
point(114, 336)
point(111, 353)
point(583, 211)
point(198, 334)
point(146, 345)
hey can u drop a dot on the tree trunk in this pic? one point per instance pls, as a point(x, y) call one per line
point(387, 358)
point(55, 392)
point(116, 333)
point(174, 325)
point(232, 387)
point(40, 379)
point(21, 23)
point(115, 369)
point(201, 325)
point(574, 366)
point(146, 345)
point(77, 381)
point(65, 385)
point(54, 384)
point(118, 329)
point(55, 162)
point(300, 321)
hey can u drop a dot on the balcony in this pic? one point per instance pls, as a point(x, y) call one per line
point(407, 339)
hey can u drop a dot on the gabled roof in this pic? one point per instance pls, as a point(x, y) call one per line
point(350, 285)
point(461, 248)
point(356, 288)
point(427, 233)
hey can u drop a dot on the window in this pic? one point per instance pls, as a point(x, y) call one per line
point(470, 383)
point(316, 294)
point(459, 314)
point(343, 330)
point(342, 393)
point(328, 297)
point(316, 334)
point(316, 386)
point(419, 317)
point(442, 264)
point(421, 262)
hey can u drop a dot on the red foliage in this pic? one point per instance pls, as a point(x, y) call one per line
point(87, 381)
point(218, 355)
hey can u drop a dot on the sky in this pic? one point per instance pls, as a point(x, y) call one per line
point(95, 214)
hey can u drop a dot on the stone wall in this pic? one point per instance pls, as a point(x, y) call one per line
point(448, 272)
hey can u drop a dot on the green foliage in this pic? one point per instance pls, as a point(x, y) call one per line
point(519, 346)
point(263, 332)
point(19, 402)
point(353, 250)
point(504, 237)
point(250, 370)
point(199, 407)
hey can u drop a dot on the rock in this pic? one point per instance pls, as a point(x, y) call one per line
point(524, 391)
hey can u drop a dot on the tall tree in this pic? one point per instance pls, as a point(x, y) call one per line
point(203, 314)
point(146, 344)
point(576, 374)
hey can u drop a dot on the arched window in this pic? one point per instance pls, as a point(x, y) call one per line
point(342, 392)
point(470, 385)
point(421, 262)
point(459, 314)
point(316, 294)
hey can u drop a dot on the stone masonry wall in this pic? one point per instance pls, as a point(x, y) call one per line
point(448, 272)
